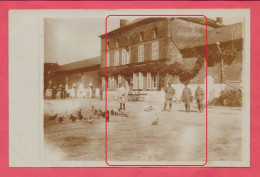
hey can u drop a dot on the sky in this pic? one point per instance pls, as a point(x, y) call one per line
point(70, 40)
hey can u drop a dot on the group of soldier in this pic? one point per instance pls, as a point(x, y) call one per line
point(186, 97)
point(169, 94)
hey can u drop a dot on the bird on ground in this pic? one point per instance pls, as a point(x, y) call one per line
point(80, 116)
point(116, 112)
point(107, 116)
point(73, 118)
point(53, 117)
point(155, 121)
point(61, 119)
point(94, 111)
point(112, 112)
point(90, 120)
point(150, 108)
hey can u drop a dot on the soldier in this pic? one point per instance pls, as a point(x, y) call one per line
point(54, 93)
point(169, 93)
point(61, 92)
point(187, 97)
point(121, 94)
point(199, 96)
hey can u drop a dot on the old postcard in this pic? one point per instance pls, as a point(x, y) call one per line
point(104, 88)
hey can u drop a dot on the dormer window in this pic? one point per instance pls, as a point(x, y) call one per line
point(107, 45)
point(117, 45)
point(141, 36)
point(155, 32)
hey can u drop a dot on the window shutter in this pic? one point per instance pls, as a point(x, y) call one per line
point(128, 55)
point(155, 50)
point(108, 60)
point(119, 79)
point(116, 58)
point(123, 56)
point(103, 82)
point(135, 81)
point(141, 53)
point(141, 80)
point(149, 80)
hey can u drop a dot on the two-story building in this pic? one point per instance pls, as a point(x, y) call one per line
point(147, 41)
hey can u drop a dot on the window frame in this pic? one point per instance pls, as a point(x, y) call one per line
point(116, 58)
point(155, 50)
point(149, 80)
point(141, 53)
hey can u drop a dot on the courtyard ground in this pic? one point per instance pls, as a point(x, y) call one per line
point(179, 136)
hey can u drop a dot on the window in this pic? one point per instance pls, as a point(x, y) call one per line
point(107, 45)
point(111, 82)
point(116, 58)
point(128, 56)
point(135, 81)
point(155, 32)
point(149, 80)
point(117, 44)
point(103, 82)
point(156, 81)
point(141, 80)
point(155, 50)
point(119, 79)
point(141, 36)
point(124, 56)
point(141, 53)
point(108, 60)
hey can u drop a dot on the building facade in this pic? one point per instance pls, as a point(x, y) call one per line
point(148, 41)
point(79, 78)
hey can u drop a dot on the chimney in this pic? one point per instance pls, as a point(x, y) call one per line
point(219, 20)
point(123, 22)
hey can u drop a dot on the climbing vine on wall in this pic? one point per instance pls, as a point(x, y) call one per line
point(176, 69)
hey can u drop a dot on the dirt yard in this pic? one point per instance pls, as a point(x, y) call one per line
point(179, 136)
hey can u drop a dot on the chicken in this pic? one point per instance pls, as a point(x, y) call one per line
point(155, 121)
point(104, 115)
point(61, 119)
point(116, 112)
point(73, 118)
point(53, 117)
point(150, 108)
point(112, 112)
point(90, 120)
point(80, 116)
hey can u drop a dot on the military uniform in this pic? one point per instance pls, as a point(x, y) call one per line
point(186, 98)
point(169, 93)
point(121, 94)
point(199, 96)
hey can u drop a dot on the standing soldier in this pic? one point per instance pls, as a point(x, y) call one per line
point(121, 95)
point(199, 96)
point(187, 97)
point(54, 93)
point(101, 93)
point(61, 92)
point(169, 93)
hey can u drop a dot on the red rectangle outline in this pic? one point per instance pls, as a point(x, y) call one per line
point(206, 94)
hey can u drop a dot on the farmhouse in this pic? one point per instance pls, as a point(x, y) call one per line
point(137, 53)
point(145, 54)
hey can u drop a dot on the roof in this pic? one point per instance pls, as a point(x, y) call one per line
point(86, 63)
point(137, 22)
point(222, 34)
point(133, 24)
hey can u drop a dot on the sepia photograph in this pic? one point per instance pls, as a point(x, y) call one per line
point(126, 88)
point(149, 79)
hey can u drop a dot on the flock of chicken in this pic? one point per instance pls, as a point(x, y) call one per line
point(94, 114)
